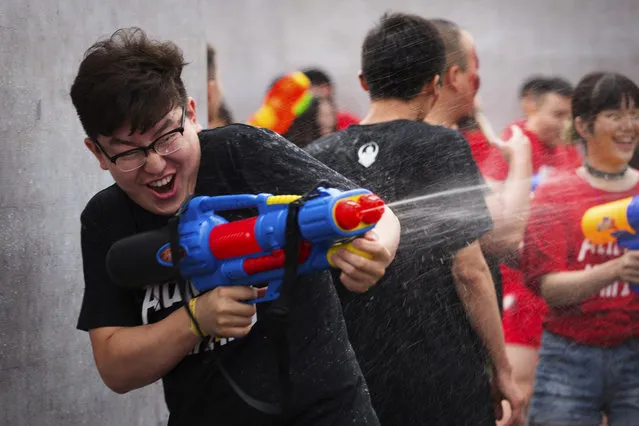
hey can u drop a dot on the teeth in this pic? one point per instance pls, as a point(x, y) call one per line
point(161, 182)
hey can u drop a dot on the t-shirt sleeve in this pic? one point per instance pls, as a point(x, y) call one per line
point(545, 247)
point(104, 304)
point(269, 163)
point(449, 210)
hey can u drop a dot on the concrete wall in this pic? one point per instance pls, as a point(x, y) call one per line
point(47, 375)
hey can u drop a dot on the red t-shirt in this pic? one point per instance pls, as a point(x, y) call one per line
point(554, 242)
point(345, 119)
point(561, 157)
point(523, 310)
point(489, 160)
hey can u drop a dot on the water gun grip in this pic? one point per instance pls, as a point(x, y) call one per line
point(348, 247)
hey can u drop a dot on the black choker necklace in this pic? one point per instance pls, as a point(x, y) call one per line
point(605, 175)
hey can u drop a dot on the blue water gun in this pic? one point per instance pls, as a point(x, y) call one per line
point(215, 252)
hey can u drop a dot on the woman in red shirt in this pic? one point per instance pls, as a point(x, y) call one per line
point(589, 357)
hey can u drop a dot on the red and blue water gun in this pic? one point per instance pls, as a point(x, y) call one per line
point(215, 252)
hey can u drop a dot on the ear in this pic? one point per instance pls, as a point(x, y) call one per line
point(453, 77)
point(362, 81)
point(432, 88)
point(581, 126)
point(104, 163)
point(191, 114)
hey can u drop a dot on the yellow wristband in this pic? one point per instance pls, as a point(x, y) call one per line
point(192, 325)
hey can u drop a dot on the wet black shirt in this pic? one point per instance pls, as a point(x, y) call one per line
point(421, 358)
point(328, 386)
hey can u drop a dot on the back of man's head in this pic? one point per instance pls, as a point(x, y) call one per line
point(451, 35)
point(127, 79)
point(400, 55)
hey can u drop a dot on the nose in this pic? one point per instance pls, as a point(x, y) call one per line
point(155, 163)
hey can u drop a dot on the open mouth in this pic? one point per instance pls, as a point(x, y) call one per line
point(625, 145)
point(163, 186)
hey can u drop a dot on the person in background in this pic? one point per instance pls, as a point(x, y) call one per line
point(322, 86)
point(316, 121)
point(424, 336)
point(225, 117)
point(218, 113)
point(528, 95)
point(523, 311)
point(589, 355)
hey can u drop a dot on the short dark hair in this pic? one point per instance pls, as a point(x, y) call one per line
point(210, 62)
point(451, 36)
point(317, 76)
point(600, 91)
point(305, 128)
point(531, 85)
point(400, 55)
point(556, 85)
point(127, 79)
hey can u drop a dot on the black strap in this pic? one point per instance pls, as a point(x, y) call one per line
point(277, 313)
point(280, 308)
point(265, 407)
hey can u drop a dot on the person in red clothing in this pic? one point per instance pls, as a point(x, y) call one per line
point(523, 310)
point(589, 355)
point(322, 87)
point(489, 158)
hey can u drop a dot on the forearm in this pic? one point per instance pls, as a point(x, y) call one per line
point(388, 231)
point(571, 288)
point(476, 291)
point(133, 357)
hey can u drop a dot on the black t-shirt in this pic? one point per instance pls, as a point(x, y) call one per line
point(423, 362)
point(328, 386)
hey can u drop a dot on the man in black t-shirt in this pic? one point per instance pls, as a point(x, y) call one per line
point(423, 335)
point(142, 128)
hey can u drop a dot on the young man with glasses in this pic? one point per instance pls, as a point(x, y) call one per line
point(142, 128)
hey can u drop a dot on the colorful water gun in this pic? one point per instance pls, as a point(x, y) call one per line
point(215, 252)
point(615, 221)
point(287, 99)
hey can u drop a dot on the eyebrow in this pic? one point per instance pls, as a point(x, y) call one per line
point(163, 127)
point(115, 140)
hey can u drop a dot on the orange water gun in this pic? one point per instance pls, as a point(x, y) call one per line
point(287, 99)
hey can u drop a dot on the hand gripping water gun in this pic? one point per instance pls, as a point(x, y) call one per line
point(615, 221)
point(215, 252)
point(287, 99)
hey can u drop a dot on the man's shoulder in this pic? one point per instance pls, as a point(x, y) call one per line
point(328, 142)
point(237, 133)
point(109, 198)
point(105, 206)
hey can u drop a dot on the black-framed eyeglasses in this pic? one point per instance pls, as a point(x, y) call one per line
point(133, 159)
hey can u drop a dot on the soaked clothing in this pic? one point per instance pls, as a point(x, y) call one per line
point(422, 360)
point(555, 242)
point(589, 355)
point(328, 385)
